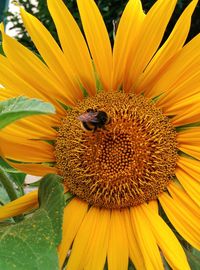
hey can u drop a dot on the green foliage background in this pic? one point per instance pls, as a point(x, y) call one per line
point(110, 9)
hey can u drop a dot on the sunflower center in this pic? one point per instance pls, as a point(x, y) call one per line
point(122, 162)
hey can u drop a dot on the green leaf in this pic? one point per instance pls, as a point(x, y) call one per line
point(7, 182)
point(3, 196)
point(51, 199)
point(17, 177)
point(29, 244)
point(32, 243)
point(17, 108)
point(1, 49)
point(131, 266)
point(193, 256)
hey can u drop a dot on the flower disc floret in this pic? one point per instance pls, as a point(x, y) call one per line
point(128, 162)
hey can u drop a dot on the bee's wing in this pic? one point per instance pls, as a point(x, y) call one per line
point(88, 117)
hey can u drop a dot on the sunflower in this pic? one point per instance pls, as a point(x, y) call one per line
point(127, 147)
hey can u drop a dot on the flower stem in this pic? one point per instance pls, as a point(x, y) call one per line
point(6, 181)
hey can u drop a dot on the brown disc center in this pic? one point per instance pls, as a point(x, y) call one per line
point(128, 161)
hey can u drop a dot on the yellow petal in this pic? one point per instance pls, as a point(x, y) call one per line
point(84, 236)
point(97, 39)
point(172, 45)
point(125, 40)
point(189, 135)
point(98, 245)
point(179, 194)
point(134, 249)
point(118, 243)
point(148, 40)
point(146, 239)
point(190, 166)
point(182, 105)
point(19, 149)
point(191, 115)
point(180, 69)
point(166, 240)
point(185, 89)
point(52, 55)
point(189, 141)
point(192, 150)
point(74, 214)
point(13, 82)
point(20, 205)
point(29, 130)
point(33, 169)
point(182, 218)
point(28, 67)
point(73, 44)
point(191, 186)
point(153, 205)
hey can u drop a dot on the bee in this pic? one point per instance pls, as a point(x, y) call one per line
point(93, 119)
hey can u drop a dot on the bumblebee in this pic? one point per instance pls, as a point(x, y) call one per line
point(92, 119)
